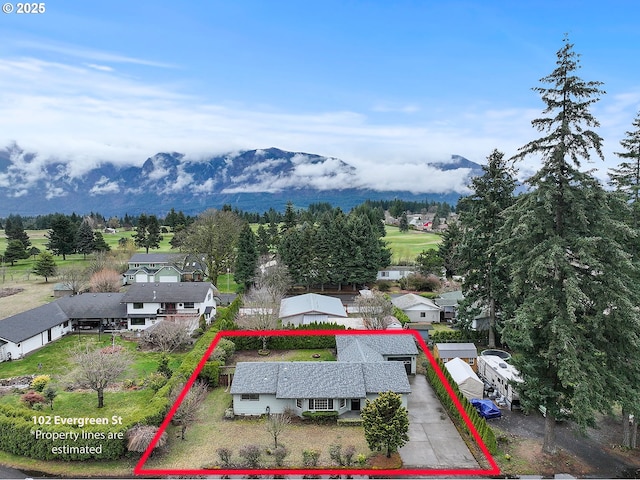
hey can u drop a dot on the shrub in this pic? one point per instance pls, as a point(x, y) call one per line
point(251, 455)
point(40, 382)
point(384, 285)
point(31, 398)
point(321, 417)
point(163, 367)
point(224, 454)
point(419, 282)
point(155, 381)
point(348, 454)
point(279, 454)
point(50, 394)
point(210, 374)
point(140, 436)
point(310, 457)
point(361, 459)
point(335, 454)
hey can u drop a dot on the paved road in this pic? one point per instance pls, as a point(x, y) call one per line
point(434, 442)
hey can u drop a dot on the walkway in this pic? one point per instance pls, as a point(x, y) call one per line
point(434, 442)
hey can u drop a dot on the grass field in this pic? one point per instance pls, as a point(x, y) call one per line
point(406, 246)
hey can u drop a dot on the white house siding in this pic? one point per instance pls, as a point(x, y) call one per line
point(150, 309)
point(430, 315)
point(37, 341)
point(147, 323)
point(259, 407)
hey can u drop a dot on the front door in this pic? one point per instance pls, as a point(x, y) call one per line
point(355, 404)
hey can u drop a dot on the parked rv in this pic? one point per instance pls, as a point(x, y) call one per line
point(499, 375)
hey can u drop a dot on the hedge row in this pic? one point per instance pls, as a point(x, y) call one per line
point(480, 424)
point(458, 336)
point(285, 342)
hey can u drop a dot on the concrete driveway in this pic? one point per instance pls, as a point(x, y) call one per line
point(434, 442)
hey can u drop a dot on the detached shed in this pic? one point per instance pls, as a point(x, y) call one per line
point(468, 382)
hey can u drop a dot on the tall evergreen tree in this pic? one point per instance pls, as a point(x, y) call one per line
point(99, 243)
point(571, 280)
point(45, 265)
point(15, 251)
point(262, 240)
point(14, 230)
point(85, 239)
point(62, 236)
point(247, 257)
point(290, 219)
point(148, 232)
point(485, 280)
point(448, 249)
point(404, 222)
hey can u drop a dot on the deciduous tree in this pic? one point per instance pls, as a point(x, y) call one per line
point(187, 411)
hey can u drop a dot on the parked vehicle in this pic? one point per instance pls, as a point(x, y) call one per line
point(500, 376)
point(486, 408)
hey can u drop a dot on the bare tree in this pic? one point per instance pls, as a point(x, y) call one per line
point(374, 309)
point(260, 312)
point(187, 412)
point(140, 437)
point(97, 368)
point(166, 336)
point(105, 281)
point(273, 275)
point(74, 278)
point(276, 424)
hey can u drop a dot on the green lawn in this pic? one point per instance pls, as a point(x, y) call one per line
point(406, 246)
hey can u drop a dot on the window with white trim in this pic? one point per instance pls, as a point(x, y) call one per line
point(321, 404)
point(343, 402)
point(299, 402)
point(250, 396)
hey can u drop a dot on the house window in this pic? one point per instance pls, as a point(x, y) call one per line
point(65, 324)
point(423, 314)
point(384, 274)
point(138, 305)
point(321, 404)
point(343, 402)
point(250, 396)
point(472, 361)
point(299, 402)
point(138, 321)
point(188, 304)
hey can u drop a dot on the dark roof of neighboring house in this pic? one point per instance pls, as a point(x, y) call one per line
point(397, 344)
point(32, 322)
point(94, 305)
point(156, 258)
point(329, 379)
point(168, 292)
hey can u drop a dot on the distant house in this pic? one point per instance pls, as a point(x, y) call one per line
point(448, 303)
point(395, 273)
point(465, 351)
point(164, 267)
point(367, 365)
point(184, 302)
point(311, 308)
point(418, 308)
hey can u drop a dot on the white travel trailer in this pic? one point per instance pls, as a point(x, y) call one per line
point(500, 375)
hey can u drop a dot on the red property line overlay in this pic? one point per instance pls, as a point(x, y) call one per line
point(494, 470)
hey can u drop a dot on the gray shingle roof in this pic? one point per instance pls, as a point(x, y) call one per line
point(319, 379)
point(383, 344)
point(412, 300)
point(32, 322)
point(168, 292)
point(358, 352)
point(156, 258)
point(94, 305)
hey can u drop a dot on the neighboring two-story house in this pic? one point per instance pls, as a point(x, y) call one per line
point(183, 302)
point(164, 267)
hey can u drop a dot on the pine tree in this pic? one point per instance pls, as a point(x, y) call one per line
point(386, 423)
point(404, 223)
point(448, 249)
point(247, 258)
point(485, 280)
point(99, 243)
point(15, 251)
point(262, 240)
point(290, 219)
point(85, 239)
point(62, 236)
point(147, 232)
point(45, 266)
point(14, 230)
point(571, 286)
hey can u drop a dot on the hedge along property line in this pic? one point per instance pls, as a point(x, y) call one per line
point(480, 424)
point(17, 428)
point(293, 342)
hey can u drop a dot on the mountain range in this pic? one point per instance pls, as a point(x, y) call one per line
point(252, 180)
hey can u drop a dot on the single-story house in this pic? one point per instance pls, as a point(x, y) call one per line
point(185, 302)
point(378, 348)
point(395, 273)
point(311, 308)
point(468, 382)
point(164, 267)
point(465, 351)
point(418, 308)
point(28, 331)
point(273, 387)
point(95, 310)
point(448, 303)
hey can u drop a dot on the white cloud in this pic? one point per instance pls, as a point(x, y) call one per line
point(104, 186)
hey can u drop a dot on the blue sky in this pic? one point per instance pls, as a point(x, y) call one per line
point(383, 85)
